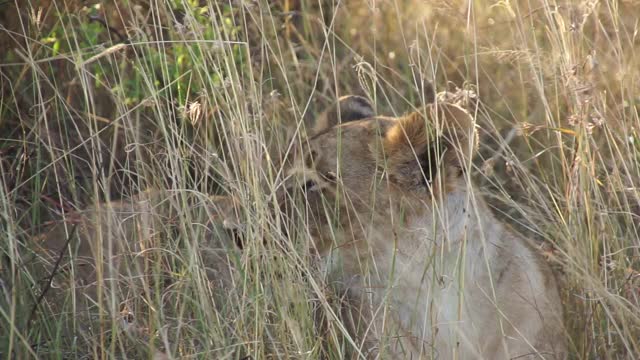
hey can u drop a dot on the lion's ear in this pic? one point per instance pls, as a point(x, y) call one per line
point(438, 141)
point(347, 108)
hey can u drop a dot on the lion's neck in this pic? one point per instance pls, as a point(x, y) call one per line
point(436, 266)
point(427, 266)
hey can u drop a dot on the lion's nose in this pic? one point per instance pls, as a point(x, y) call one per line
point(309, 185)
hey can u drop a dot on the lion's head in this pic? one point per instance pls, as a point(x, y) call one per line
point(360, 176)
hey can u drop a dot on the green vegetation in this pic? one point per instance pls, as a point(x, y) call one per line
point(101, 101)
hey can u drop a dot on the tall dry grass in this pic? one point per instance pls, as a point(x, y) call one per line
point(102, 101)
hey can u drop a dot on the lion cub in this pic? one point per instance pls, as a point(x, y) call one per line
point(395, 218)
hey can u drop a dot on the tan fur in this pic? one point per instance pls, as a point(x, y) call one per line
point(429, 271)
point(401, 230)
point(107, 251)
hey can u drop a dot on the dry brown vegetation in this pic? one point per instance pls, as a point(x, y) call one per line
point(101, 102)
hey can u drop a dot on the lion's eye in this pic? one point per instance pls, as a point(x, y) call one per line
point(330, 176)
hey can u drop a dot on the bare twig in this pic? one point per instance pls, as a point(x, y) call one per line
point(53, 273)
